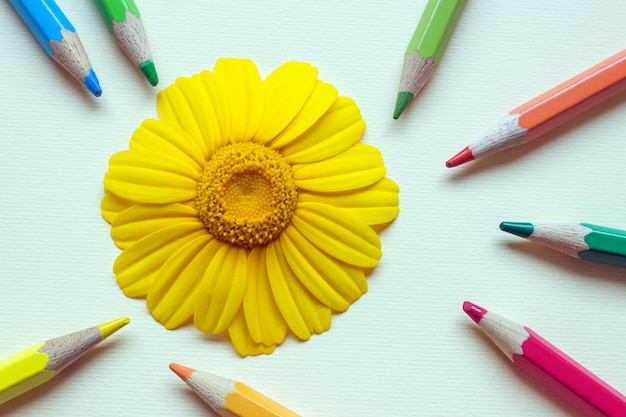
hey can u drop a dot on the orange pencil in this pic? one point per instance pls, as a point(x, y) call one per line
point(551, 109)
point(230, 398)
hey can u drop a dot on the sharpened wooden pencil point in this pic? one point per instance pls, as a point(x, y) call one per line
point(518, 229)
point(550, 366)
point(426, 48)
point(149, 71)
point(228, 397)
point(551, 109)
point(475, 312)
point(41, 362)
point(403, 100)
point(124, 21)
point(58, 37)
point(465, 155)
point(583, 241)
point(92, 84)
point(183, 372)
point(112, 326)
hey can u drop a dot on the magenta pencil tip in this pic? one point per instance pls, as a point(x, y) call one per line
point(475, 312)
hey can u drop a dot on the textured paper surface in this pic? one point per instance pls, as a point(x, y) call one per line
point(405, 348)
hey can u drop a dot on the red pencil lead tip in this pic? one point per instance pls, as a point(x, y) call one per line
point(465, 155)
point(475, 312)
point(182, 371)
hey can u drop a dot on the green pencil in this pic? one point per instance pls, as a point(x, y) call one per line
point(583, 241)
point(426, 48)
point(124, 22)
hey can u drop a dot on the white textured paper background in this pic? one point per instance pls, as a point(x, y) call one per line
point(405, 348)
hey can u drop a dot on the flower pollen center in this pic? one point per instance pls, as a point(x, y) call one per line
point(246, 194)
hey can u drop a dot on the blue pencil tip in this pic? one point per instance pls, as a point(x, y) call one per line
point(92, 83)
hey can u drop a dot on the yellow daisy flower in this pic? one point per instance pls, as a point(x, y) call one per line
point(249, 206)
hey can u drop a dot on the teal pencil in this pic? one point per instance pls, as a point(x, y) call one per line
point(582, 241)
point(123, 20)
point(58, 38)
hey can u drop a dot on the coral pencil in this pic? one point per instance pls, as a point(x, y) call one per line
point(551, 109)
point(582, 241)
point(230, 398)
point(549, 365)
point(124, 22)
point(58, 38)
point(42, 361)
point(426, 48)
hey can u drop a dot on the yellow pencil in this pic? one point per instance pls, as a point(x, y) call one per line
point(42, 361)
point(230, 398)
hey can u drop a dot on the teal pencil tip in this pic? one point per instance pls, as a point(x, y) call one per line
point(519, 229)
point(149, 71)
point(92, 84)
point(403, 100)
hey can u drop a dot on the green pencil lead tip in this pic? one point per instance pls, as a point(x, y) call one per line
point(519, 229)
point(403, 100)
point(149, 71)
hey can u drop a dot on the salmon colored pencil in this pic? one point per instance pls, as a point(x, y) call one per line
point(549, 365)
point(549, 110)
point(230, 398)
point(35, 365)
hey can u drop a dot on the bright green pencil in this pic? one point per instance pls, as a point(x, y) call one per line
point(583, 241)
point(124, 22)
point(426, 48)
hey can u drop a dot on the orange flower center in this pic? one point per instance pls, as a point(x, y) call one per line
point(246, 194)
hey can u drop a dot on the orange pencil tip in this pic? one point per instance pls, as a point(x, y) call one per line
point(182, 371)
point(460, 158)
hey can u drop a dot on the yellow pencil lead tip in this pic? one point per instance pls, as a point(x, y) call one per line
point(112, 326)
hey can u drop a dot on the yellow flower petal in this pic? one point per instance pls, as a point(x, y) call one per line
point(245, 100)
point(137, 265)
point(263, 318)
point(316, 315)
point(150, 178)
point(217, 114)
point(339, 233)
point(337, 130)
point(220, 294)
point(172, 296)
point(359, 166)
point(112, 205)
point(167, 139)
point(207, 102)
point(179, 109)
point(250, 298)
point(340, 284)
point(286, 90)
point(189, 101)
point(317, 104)
point(278, 273)
point(142, 219)
point(198, 106)
point(313, 280)
point(241, 340)
point(375, 204)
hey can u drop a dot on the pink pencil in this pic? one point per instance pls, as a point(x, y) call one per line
point(549, 365)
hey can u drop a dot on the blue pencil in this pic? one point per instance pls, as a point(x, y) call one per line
point(58, 37)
